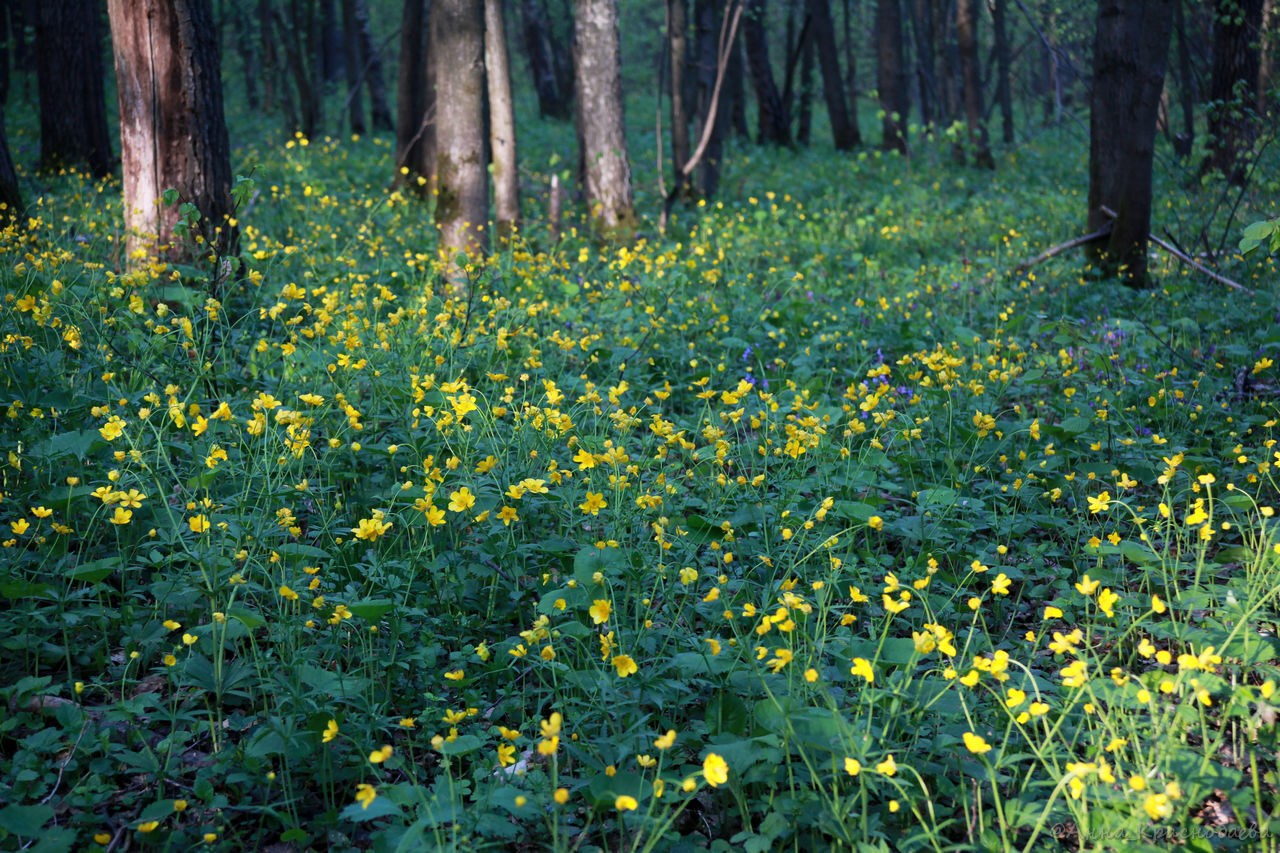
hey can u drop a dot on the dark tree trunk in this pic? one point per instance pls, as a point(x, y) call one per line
point(553, 102)
point(1004, 70)
point(804, 117)
point(272, 68)
point(598, 84)
point(926, 76)
point(371, 68)
point(560, 32)
point(823, 36)
point(11, 210)
point(502, 122)
point(247, 48)
point(354, 64)
point(332, 58)
point(1129, 54)
point(462, 197)
point(890, 77)
point(707, 19)
point(415, 101)
point(1184, 141)
point(69, 74)
point(975, 115)
point(677, 27)
point(1233, 88)
point(948, 65)
point(734, 91)
point(774, 125)
point(172, 129)
point(6, 36)
point(301, 35)
point(1267, 56)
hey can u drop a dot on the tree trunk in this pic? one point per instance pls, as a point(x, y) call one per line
point(1184, 141)
point(774, 125)
point(172, 129)
point(975, 115)
point(11, 210)
point(332, 58)
point(604, 144)
point(247, 48)
point(302, 37)
point(823, 37)
point(552, 101)
point(1233, 88)
point(949, 100)
point(677, 26)
point(1267, 55)
point(1004, 79)
point(372, 70)
point(502, 123)
point(1130, 50)
point(733, 91)
point(708, 20)
point(272, 68)
point(890, 78)
point(926, 75)
point(69, 75)
point(415, 101)
point(462, 186)
point(804, 117)
point(354, 63)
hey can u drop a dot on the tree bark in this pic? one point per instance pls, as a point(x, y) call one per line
point(11, 209)
point(774, 125)
point(332, 58)
point(272, 68)
point(598, 85)
point(354, 63)
point(975, 115)
point(804, 115)
point(1004, 71)
point(553, 102)
point(502, 123)
point(1233, 88)
point(1267, 56)
point(890, 78)
point(1184, 141)
point(462, 187)
point(823, 37)
point(415, 101)
point(69, 76)
point(734, 93)
point(926, 75)
point(247, 48)
point(1131, 46)
point(677, 27)
point(380, 108)
point(301, 34)
point(708, 19)
point(172, 129)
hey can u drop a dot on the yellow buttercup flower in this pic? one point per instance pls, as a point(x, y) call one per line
point(715, 769)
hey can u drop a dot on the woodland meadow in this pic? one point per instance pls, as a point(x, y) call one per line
point(634, 425)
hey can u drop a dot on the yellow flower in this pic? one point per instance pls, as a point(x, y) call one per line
point(976, 744)
point(1157, 605)
point(852, 766)
point(189, 639)
point(625, 665)
point(287, 593)
point(198, 523)
point(455, 675)
point(715, 769)
point(461, 500)
point(506, 754)
point(149, 826)
point(625, 803)
point(600, 610)
point(1086, 586)
point(561, 795)
point(1100, 503)
point(1107, 601)
point(875, 522)
point(365, 794)
point(380, 755)
point(121, 516)
point(549, 746)
point(1074, 674)
point(330, 731)
point(371, 528)
point(1158, 806)
point(888, 767)
point(593, 504)
point(666, 741)
point(862, 666)
point(1000, 586)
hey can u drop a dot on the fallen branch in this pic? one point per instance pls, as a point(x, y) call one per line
point(1054, 252)
point(1187, 259)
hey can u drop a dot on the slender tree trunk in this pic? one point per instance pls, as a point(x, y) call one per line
point(502, 123)
point(1184, 141)
point(975, 115)
point(598, 85)
point(922, 28)
point(332, 59)
point(1267, 55)
point(302, 36)
point(1233, 88)
point(804, 118)
point(708, 21)
point(11, 209)
point(1129, 55)
point(271, 65)
point(372, 69)
point(354, 65)
point(69, 74)
point(553, 102)
point(948, 61)
point(823, 37)
point(734, 92)
point(6, 35)
point(890, 77)
point(462, 196)
point(677, 26)
point(774, 126)
point(247, 48)
point(1004, 80)
point(415, 101)
point(172, 129)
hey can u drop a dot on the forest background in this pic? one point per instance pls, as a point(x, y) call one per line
point(713, 438)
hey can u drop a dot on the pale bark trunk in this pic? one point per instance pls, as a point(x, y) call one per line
point(677, 26)
point(462, 197)
point(598, 84)
point(502, 122)
point(172, 128)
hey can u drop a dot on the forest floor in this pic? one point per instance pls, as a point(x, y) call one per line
point(804, 524)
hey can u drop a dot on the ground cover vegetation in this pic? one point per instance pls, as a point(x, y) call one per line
point(801, 526)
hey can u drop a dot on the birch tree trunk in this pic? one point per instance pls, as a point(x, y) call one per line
point(598, 83)
point(502, 123)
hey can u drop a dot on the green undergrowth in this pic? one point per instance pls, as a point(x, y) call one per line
point(800, 527)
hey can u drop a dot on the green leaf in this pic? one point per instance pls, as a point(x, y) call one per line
point(380, 807)
point(372, 609)
point(94, 571)
point(157, 811)
point(462, 745)
point(25, 821)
